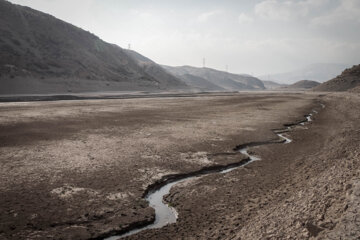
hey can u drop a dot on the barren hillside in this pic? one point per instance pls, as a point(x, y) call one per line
point(303, 84)
point(42, 54)
point(348, 79)
point(225, 80)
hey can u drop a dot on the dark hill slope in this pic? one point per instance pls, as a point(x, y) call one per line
point(196, 83)
point(199, 83)
point(155, 70)
point(348, 79)
point(224, 80)
point(42, 54)
point(273, 85)
point(303, 84)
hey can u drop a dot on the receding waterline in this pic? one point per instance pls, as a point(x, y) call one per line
point(165, 214)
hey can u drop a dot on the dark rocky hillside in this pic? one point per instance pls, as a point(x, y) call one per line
point(347, 80)
point(155, 70)
point(42, 54)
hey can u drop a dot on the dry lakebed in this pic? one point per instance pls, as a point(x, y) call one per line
point(258, 166)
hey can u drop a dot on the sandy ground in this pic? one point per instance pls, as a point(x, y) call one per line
point(78, 169)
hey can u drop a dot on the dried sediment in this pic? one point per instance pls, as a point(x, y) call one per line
point(304, 190)
point(102, 172)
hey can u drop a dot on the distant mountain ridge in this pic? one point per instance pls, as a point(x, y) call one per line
point(317, 72)
point(42, 54)
point(200, 84)
point(194, 82)
point(349, 79)
point(153, 69)
point(212, 78)
point(271, 85)
point(303, 84)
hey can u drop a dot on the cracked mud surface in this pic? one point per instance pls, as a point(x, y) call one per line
point(78, 169)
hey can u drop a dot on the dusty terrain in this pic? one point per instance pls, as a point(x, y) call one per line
point(78, 169)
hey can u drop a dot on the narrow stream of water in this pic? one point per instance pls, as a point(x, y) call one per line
point(245, 152)
point(165, 214)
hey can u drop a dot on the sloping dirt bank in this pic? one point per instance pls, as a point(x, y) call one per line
point(79, 169)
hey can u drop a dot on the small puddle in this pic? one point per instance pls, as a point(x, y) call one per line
point(165, 214)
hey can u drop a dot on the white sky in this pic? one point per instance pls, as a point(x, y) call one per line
point(251, 36)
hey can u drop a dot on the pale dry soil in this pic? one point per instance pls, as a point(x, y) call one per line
point(78, 169)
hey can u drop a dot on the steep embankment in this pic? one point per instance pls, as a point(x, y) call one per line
point(210, 77)
point(42, 54)
point(348, 79)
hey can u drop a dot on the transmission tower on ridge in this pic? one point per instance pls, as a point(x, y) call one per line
point(129, 46)
point(203, 62)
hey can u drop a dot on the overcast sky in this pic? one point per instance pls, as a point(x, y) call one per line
point(250, 36)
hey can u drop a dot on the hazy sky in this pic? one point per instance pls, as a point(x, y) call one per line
point(251, 36)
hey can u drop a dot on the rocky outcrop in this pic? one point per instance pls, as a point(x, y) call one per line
point(348, 79)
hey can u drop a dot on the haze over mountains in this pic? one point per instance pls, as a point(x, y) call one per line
point(40, 54)
point(199, 79)
point(319, 72)
point(271, 85)
point(347, 80)
point(208, 78)
point(303, 85)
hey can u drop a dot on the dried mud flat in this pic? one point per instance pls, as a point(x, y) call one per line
point(79, 169)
